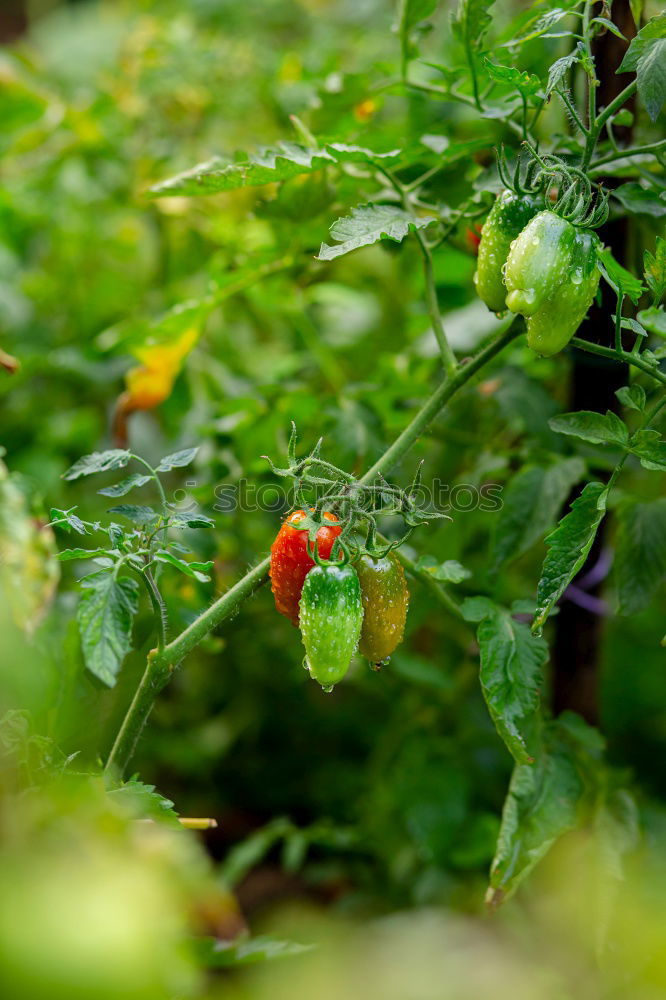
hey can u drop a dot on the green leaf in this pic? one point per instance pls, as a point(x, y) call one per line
point(634, 326)
point(598, 428)
point(68, 521)
point(137, 513)
point(651, 71)
point(411, 13)
point(449, 571)
point(646, 56)
point(543, 802)
point(538, 26)
point(617, 829)
point(620, 280)
point(654, 320)
point(144, 802)
point(67, 555)
point(181, 520)
point(368, 224)
point(609, 26)
point(655, 270)
point(105, 614)
point(568, 548)
point(198, 571)
point(177, 460)
point(636, 7)
point(470, 23)
point(530, 506)
point(215, 954)
point(640, 200)
point(526, 83)
point(559, 70)
point(649, 447)
point(632, 396)
point(288, 159)
point(99, 461)
point(512, 661)
point(640, 565)
point(120, 489)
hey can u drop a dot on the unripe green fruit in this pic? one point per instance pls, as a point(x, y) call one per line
point(538, 262)
point(506, 220)
point(553, 326)
point(331, 615)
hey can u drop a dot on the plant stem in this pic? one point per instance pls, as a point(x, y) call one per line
point(647, 419)
point(454, 95)
point(616, 104)
point(625, 356)
point(160, 489)
point(624, 154)
point(601, 119)
point(158, 606)
point(592, 77)
point(438, 400)
point(153, 475)
point(562, 94)
point(161, 663)
point(431, 583)
point(448, 357)
point(222, 608)
point(154, 678)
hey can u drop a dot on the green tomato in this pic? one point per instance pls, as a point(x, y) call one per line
point(331, 615)
point(538, 262)
point(506, 220)
point(552, 327)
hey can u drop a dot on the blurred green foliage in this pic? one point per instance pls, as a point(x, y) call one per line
point(392, 788)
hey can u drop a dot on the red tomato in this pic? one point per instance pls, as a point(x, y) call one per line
point(291, 562)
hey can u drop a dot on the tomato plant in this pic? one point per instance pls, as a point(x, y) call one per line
point(429, 268)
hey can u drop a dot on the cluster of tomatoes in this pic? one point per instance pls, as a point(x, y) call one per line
point(534, 262)
point(339, 607)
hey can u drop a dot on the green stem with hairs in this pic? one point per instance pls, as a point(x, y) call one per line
point(625, 356)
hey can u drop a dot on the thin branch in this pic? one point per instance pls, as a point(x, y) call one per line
point(160, 665)
point(623, 356)
point(159, 607)
point(439, 399)
point(624, 154)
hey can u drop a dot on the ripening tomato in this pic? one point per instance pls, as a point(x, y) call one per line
point(291, 561)
point(385, 599)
